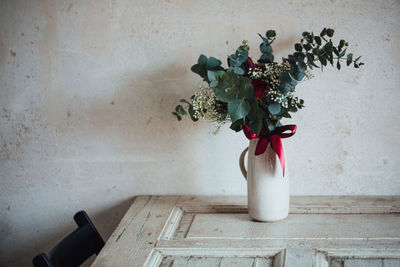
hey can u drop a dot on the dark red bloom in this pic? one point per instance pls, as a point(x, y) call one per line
point(248, 64)
point(259, 87)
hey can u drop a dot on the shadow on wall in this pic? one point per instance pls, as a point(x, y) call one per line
point(134, 132)
point(105, 222)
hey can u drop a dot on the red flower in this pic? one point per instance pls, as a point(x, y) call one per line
point(259, 87)
point(248, 64)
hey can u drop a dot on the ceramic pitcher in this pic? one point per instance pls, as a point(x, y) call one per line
point(267, 189)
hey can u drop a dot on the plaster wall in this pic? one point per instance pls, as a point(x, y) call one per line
point(86, 90)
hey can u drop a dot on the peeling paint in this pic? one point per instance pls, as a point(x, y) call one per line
point(69, 7)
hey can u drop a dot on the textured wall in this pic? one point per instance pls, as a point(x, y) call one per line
point(86, 90)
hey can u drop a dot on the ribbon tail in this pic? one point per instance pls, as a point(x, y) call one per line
point(262, 145)
point(276, 144)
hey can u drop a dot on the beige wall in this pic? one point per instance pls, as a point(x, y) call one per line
point(86, 90)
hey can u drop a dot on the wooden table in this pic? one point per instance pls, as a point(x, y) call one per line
point(216, 231)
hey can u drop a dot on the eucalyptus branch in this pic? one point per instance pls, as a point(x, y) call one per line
point(311, 47)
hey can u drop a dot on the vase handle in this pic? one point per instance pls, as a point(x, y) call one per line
point(241, 163)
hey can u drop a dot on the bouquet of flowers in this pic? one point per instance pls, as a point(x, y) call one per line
point(254, 97)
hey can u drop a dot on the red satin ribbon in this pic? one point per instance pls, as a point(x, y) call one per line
point(275, 139)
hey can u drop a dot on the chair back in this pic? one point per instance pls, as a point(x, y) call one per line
point(74, 249)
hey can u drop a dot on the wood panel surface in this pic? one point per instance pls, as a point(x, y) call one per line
point(216, 231)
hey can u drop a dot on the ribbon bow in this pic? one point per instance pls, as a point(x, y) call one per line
point(275, 138)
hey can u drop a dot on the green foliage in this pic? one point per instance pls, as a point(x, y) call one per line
point(319, 51)
point(237, 125)
point(235, 90)
point(233, 86)
point(205, 64)
point(266, 48)
point(238, 109)
point(180, 110)
point(237, 60)
point(274, 108)
point(312, 51)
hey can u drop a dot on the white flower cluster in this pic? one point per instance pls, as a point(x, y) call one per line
point(294, 101)
point(257, 73)
point(284, 100)
point(205, 105)
point(280, 98)
point(271, 76)
point(309, 74)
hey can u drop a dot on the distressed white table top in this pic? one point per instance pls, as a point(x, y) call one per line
point(216, 231)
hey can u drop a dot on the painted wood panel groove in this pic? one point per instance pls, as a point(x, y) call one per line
point(298, 204)
point(184, 226)
point(357, 257)
point(225, 256)
point(362, 253)
point(189, 226)
point(220, 251)
point(172, 224)
point(277, 244)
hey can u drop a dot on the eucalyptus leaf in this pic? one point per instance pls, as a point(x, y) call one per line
point(349, 59)
point(238, 70)
point(323, 61)
point(267, 49)
point(213, 63)
point(284, 88)
point(318, 40)
point(238, 109)
point(298, 47)
point(342, 53)
point(211, 75)
point(323, 32)
point(284, 77)
point(330, 32)
point(213, 84)
point(307, 47)
point(270, 34)
point(202, 60)
point(341, 44)
point(237, 125)
point(180, 110)
point(274, 108)
point(266, 58)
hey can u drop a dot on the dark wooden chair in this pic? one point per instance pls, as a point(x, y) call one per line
point(74, 249)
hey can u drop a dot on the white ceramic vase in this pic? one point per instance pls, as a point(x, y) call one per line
point(267, 189)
